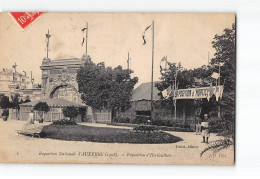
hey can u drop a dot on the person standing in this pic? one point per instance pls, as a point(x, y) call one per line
point(31, 118)
point(205, 129)
point(198, 125)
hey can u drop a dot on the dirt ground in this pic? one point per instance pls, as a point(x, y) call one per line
point(24, 149)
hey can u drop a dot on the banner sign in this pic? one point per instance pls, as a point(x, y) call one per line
point(198, 93)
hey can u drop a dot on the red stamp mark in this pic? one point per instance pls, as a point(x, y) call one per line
point(25, 18)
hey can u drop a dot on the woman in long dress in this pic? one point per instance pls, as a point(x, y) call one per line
point(30, 120)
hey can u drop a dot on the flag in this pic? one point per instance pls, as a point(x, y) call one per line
point(164, 59)
point(167, 92)
point(83, 40)
point(48, 36)
point(144, 33)
point(215, 75)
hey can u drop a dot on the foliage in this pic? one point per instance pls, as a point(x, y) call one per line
point(164, 122)
point(218, 145)
point(71, 112)
point(41, 107)
point(5, 112)
point(64, 122)
point(122, 119)
point(15, 101)
point(4, 102)
point(145, 128)
point(105, 135)
point(105, 88)
point(225, 46)
point(82, 112)
point(225, 53)
point(219, 126)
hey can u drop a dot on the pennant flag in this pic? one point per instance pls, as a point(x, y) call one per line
point(215, 75)
point(167, 92)
point(144, 33)
point(164, 59)
point(83, 40)
point(48, 36)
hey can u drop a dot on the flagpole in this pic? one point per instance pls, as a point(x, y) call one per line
point(152, 73)
point(128, 59)
point(48, 44)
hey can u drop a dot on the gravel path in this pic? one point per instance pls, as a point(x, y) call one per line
point(24, 149)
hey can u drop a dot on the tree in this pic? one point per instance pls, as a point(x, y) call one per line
point(15, 103)
point(41, 107)
point(71, 112)
point(4, 102)
point(225, 46)
point(105, 88)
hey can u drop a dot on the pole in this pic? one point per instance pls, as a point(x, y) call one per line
point(175, 101)
point(152, 73)
point(128, 61)
point(48, 44)
point(87, 39)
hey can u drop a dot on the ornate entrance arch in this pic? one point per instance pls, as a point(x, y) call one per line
point(59, 76)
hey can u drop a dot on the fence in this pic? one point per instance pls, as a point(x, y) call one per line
point(102, 117)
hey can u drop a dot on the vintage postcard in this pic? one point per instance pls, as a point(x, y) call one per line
point(117, 88)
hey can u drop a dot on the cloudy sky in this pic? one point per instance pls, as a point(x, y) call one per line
point(183, 37)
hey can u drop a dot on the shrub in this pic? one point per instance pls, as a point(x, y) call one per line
point(159, 122)
point(165, 122)
point(142, 119)
point(5, 112)
point(41, 107)
point(64, 122)
point(220, 125)
point(70, 112)
point(145, 128)
point(122, 119)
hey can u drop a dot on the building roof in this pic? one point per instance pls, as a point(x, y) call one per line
point(143, 92)
point(9, 72)
point(55, 102)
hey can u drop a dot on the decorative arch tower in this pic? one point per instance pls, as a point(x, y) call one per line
point(59, 77)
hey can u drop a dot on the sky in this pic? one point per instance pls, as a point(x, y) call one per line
point(183, 37)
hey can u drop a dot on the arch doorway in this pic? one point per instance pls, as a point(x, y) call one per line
point(66, 91)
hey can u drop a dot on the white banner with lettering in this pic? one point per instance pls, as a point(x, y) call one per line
point(198, 93)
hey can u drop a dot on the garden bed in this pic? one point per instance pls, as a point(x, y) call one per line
point(163, 128)
point(105, 135)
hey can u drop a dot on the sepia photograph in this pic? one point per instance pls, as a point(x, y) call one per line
point(118, 88)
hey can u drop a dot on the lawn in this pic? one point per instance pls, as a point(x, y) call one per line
point(105, 135)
